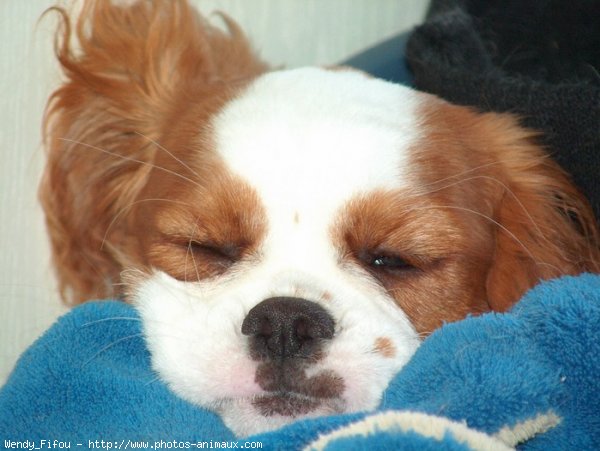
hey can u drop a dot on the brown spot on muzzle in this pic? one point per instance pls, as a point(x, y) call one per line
point(385, 347)
point(293, 392)
point(290, 376)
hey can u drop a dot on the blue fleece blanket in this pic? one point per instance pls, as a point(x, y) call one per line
point(528, 378)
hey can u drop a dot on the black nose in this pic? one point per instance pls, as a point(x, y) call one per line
point(284, 327)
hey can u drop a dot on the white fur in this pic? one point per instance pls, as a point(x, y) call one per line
point(308, 141)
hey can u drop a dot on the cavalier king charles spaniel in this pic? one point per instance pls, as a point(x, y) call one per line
point(288, 237)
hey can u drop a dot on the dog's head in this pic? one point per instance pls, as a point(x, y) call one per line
point(288, 237)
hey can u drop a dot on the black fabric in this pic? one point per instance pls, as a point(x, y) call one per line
point(539, 59)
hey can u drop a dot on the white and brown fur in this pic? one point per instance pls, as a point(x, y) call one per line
point(189, 179)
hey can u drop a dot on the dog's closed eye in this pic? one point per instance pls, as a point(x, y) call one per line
point(227, 253)
point(383, 261)
point(187, 258)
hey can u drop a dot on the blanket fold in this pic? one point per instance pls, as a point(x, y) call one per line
point(526, 378)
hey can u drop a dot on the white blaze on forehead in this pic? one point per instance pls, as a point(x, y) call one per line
point(310, 139)
point(299, 132)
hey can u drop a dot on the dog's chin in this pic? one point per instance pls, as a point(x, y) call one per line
point(263, 413)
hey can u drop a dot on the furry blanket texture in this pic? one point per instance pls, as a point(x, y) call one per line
point(537, 59)
point(527, 378)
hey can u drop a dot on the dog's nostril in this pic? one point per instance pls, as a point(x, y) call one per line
point(284, 327)
point(263, 328)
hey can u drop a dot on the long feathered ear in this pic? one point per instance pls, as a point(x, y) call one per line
point(546, 228)
point(127, 69)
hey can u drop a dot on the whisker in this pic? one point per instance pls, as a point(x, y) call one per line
point(506, 189)
point(126, 207)
point(152, 381)
point(168, 153)
point(123, 318)
point(542, 162)
point(461, 174)
point(133, 273)
point(114, 318)
point(493, 221)
point(190, 252)
point(120, 284)
point(110, 345)
point(134, 160)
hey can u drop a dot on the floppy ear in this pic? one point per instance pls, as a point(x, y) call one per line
point(132, 69)
point(546, 228)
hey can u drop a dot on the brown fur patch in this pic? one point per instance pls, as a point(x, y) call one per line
point(542, 226)
point(385, 347)
point(293, 392)
point(326, 296)
point(131, 79)
point(290, 376)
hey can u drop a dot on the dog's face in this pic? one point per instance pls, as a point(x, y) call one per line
point(302, 251)
point(266, 299)
point(289, 237)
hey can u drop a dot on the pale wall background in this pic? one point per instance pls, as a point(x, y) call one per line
point(290, 32)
